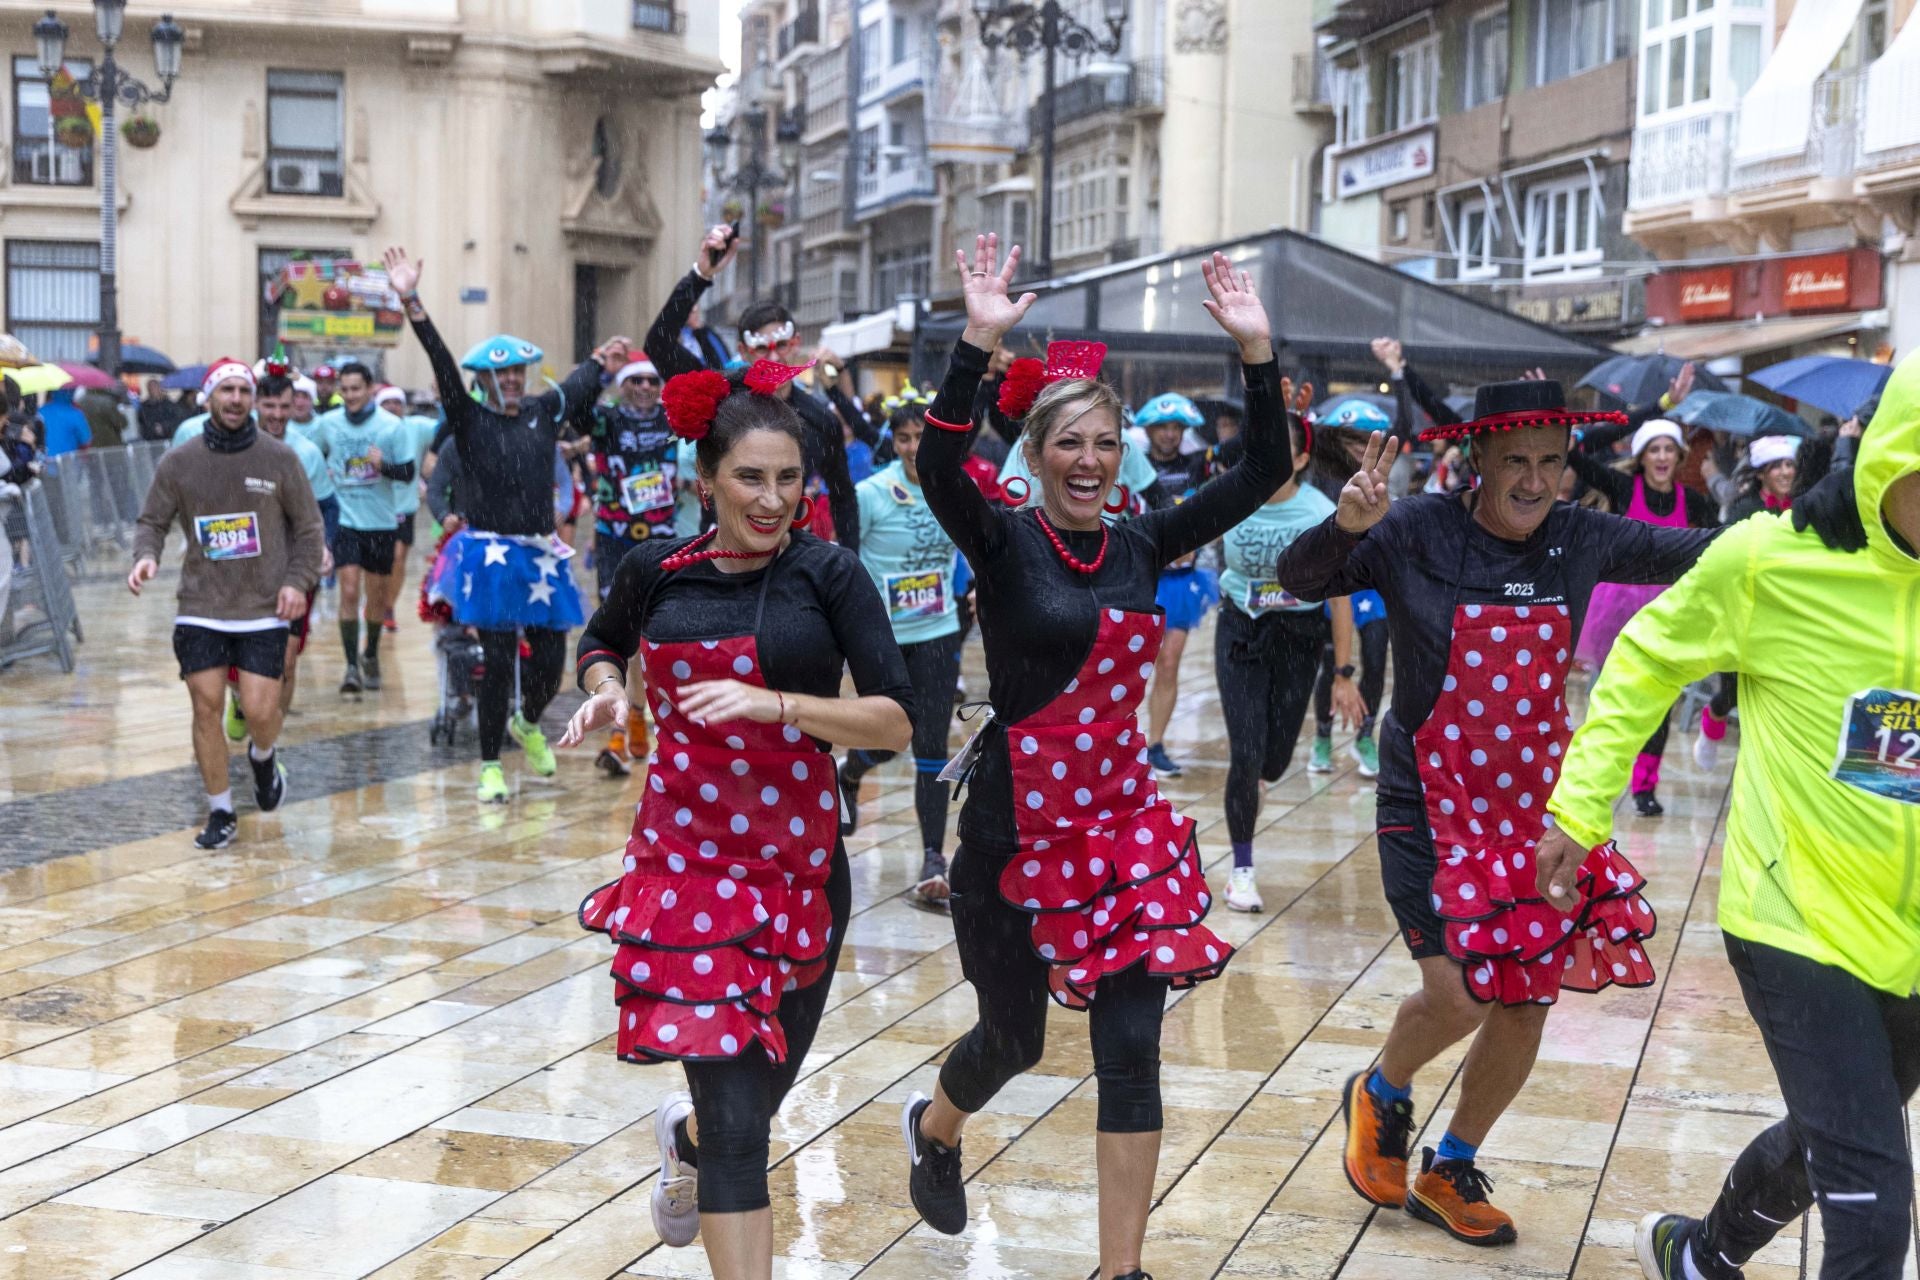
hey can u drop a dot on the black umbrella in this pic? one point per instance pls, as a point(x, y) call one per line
point(1635, 380)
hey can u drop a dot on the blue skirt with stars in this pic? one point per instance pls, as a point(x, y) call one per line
point(499, 582)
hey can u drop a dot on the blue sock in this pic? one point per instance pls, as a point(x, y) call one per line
point(1379, 1087)
point(1452, 1148)
point(1243, 853)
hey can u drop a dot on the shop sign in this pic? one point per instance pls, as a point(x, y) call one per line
point(1822, 283)
point(1384, 164)
point(1603, 306)
point(334, 300)
point(1706, 295)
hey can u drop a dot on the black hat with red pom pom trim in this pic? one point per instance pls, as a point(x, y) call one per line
point(1513, 406)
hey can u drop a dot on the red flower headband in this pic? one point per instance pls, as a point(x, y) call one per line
point(692, 399)
point(1026, 377)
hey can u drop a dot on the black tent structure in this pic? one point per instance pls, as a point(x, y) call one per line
point(1327, 305)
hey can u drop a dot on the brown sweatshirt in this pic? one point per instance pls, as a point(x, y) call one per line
point(251, 522)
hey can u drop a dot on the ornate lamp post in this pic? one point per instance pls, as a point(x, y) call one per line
point(110, 86)
point(1050, 28)
point(755, 172)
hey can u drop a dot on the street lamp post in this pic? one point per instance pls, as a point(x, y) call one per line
point(1050, 28)
point(755, 172)
point(111, 86)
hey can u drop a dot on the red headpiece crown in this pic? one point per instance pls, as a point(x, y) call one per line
point(1075, 360)
point(1026, 377)
point(764, 377)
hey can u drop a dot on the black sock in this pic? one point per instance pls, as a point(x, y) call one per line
point(683, 1145)
point(373, 639)
point(350, 637)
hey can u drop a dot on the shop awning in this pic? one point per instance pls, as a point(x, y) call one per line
point(1714, 341)
point(1893, 86)
point(852, 338)
point(1776, 115)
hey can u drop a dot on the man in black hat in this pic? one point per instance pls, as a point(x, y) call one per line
point(1486, 591)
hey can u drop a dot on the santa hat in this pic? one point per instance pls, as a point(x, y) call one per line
point(635, 367)
point(1767, 450)
point(1657, 429)
point(304, 383)
point(389, 392)
point(224, 368)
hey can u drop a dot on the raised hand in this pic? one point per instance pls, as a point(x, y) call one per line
point(720, 239)
point(403, 273)
point(613, 353)
point(1236, 308)
point(986, 285)
point(1387, 351)
point(1682, 385)
point(1364, 501)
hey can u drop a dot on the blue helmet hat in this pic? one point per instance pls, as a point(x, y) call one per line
point(1170, 407)
point(501, 351)
point(1357, 414)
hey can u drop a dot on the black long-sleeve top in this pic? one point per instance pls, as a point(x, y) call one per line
point(1038, 618)
point(824, 449)
point(822, 614)
point(1428, 554)
point(506, 463)
point(1617, 487)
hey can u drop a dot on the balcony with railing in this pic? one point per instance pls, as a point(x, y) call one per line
point(900, 80)
point(798, 36)
point(1681, 160)
point(826, 77)
point(891, 179)
point(1833, 138)
point(1140, 86)
point(1312, 84)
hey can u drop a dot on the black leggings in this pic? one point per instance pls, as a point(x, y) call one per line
point(734, 1101)
point(1265, 667)
point(1373, 679)
point(1726, 696)
point(934, 667)
point(1010, 985)
point(1847, 1058)
point(539, 680)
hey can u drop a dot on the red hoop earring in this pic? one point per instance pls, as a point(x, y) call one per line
point(1006, 491)
point(803, 513)
point(1126, 500)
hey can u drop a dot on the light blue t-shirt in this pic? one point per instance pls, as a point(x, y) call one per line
point(420, 431)
point(306, 430)
point(1136, 473)
point(304, 449)
point(908, 555)
point(686, 507)
point(1253, 550)
point(367, 499)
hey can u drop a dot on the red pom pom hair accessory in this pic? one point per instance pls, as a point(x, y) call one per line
point(692, 399)
point(1026, 377)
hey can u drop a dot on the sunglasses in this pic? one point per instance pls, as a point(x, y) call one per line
point(644, 380)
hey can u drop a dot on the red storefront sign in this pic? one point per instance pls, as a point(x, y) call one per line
point(1849, 280)
point(1817, 284)
point(1707, 295)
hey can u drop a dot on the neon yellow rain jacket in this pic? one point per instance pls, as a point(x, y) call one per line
point(1823, 841)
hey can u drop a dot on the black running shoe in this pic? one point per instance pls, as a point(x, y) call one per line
point(370, 669)
point(933, 1173)
point(1647, 804)
point(849, 804)
point(1135, 1274)
point(269, 782)
point(221, 824)
point(350, 682)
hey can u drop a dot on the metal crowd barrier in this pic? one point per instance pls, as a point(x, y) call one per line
point(94, 498)
point(37, 614)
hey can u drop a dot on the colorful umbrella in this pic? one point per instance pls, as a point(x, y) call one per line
point(135, 358)
point(14, 353)
point(1737, 415)
point(86, 377)
point(1635, 380)
point(38, 379)
point(187, 379)
point(1834, 383)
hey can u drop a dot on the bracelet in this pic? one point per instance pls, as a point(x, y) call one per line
point(603, 679)
point(783, 705)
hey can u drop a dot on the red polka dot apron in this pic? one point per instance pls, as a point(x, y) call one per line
point(1110, 872)
point(1613, 604)
point(722, 908)
point(1488, 756)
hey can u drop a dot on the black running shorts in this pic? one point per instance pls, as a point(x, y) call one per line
point(263, 653)
point(370, 549)
point(404, 533)
point(1407, 864)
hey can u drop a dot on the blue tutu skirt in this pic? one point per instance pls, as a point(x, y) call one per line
point(499, 582)
point(1185, 595)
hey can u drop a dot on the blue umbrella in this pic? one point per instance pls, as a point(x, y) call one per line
point(1737, 415)
point(187, 379)
point(1351, 411)
point(1834, 383)
point(135, 358)
point(1635, 380)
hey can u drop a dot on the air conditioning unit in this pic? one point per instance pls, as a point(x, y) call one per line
point(299, 177)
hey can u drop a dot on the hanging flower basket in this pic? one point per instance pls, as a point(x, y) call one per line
point(73, 131)
point(141, 131)
point(733, 210)
point(773, 213)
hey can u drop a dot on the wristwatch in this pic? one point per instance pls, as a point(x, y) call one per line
point(1346, 672)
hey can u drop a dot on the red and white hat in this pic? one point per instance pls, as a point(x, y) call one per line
point(224, 368)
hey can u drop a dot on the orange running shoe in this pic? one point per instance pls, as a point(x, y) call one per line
point(639, 733)
point(1377, 1136)
point(1452, 1195)
point(617, 741)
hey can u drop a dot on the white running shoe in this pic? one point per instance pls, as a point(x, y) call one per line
point(1242, 893)
point(1706, 752)
point(676, 1200)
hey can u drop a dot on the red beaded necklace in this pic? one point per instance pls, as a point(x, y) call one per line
point(688, 556)
point(1067, 557)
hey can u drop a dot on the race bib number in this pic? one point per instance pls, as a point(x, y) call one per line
point(916, 595)
point(235, 536)
point(1880, 744)
point(645, 491)
point(360, 470)
point(1263, 597)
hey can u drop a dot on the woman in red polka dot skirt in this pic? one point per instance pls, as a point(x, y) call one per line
point(729, 916)
point(1074, 879)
